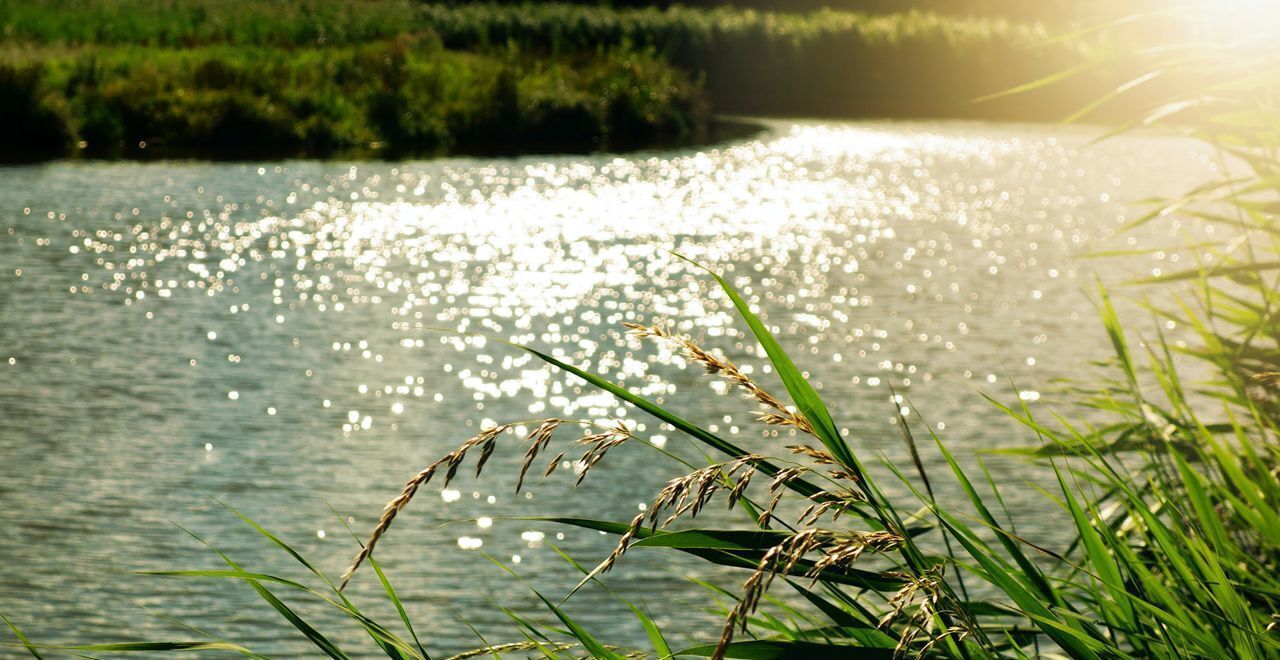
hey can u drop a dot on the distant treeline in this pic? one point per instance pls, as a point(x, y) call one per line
point(564, 25)
point(1046, 11)
point(825, 62)
point(395, 96)
point(180, 23)
point(313, 72)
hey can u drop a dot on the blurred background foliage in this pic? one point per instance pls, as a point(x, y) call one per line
point(320, 76)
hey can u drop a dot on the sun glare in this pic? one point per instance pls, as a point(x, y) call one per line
point(1238, 19)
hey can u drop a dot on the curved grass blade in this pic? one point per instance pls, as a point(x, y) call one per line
point(386, 585)
point(158, 647)
point(593, 645)
point(277, 541)
point(712, 538)
point(253, 579)
point(26, 643)
point(1029, 569)
point(656, 638)
point(380, 635)
point(802, 393)
point(237, 574)
point(1072, 640)
point(791, 650)
point(744, 558)
point(393, 646)
point(863, 631)
point(314, 636)
point(1045, 81)
point(1220, 271)
point(702, 435)
point(395, 600)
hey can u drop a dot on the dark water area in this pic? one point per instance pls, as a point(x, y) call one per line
point(716, 131)
point(264, 334)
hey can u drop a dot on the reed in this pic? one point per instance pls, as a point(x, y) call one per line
point(558, 26)
point(1173, 503)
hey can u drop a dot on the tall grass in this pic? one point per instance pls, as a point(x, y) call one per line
point(565, 26)
point(1174, 504)
point(822, 62)
point(188, 23)
point(1064, 12)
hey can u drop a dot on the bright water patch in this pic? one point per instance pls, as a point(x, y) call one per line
point(289, 336)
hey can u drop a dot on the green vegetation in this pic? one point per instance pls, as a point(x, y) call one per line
point(409, 94)
point(824, 62)
point(1053, 11)
point(319, 75)
point(1174, 501)
point(566, 26)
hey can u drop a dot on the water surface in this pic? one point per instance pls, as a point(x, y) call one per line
point(175, 334)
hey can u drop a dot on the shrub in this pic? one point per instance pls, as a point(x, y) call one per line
point(406, 93)
point(37, 120)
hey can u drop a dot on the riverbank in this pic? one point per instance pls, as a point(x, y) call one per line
point(320, 77)
point(405, 94)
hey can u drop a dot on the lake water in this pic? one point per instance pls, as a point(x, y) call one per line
point(178, 334)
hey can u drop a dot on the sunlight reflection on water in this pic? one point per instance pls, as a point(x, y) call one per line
point(270, 335)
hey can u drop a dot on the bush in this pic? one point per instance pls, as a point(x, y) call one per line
point(408, 94)
point(36, 119)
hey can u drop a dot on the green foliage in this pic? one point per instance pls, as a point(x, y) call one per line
point(42, 117)
point(555, 25)
point(1172, 503)
point(821, 62)
point(825, 61)
point(407, 93)
point(1056, 11)
point(192, 23)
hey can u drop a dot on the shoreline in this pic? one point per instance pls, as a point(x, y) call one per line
point(719, 130)
point(224, 79)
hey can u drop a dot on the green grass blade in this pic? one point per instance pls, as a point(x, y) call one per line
point(1100, 560)
point(802, 393)
point(792, 650)
point(748, 559)
point(1072, 640)
point(593, 645)
point(157, 647)
point(26, 643)
point(1028, 568)
point(395, 600)
point(651, 629)
point(297, 556)
point(866, 633)
point(1046, 81)
point(711, 538)
point(698, 433)
point(314, 636)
